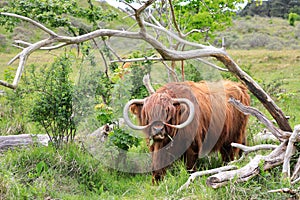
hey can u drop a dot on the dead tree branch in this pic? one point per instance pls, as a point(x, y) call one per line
point(258, 92)
point(10, 141)
point(281, 135)
point(171, 71)
point(247, 149)
point(250, 170)
point(285, 190)
point(296, 172)
point(289, 152)
point(194, 175)
point(146, 81)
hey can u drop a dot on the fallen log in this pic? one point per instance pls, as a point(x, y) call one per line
point(11, 141)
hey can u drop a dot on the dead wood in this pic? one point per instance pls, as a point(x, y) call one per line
point(258, 92)
point(264, 135)
point(11, 141)
point(194, 175)
point(146, 81)
point(250, 170)
point(259, 162)
point(296, 172)
point(287, 191)
point(240, 175)
point(247, 149)
point(289, 152)
point(247, 110)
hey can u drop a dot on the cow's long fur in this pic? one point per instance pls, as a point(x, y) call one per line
point(215, 126)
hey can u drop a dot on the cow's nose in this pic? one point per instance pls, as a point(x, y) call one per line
point(157, 127)
point(158, 130)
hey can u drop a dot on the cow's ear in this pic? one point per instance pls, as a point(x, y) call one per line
point(181, 108)
point(182, 112)
point(136, 109)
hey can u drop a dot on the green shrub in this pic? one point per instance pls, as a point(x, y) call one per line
point(122, 139)
point(104, 114)
point(293, 17)
point(53, 104)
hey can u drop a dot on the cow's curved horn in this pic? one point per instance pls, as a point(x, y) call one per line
point(126, 117)
point(191, 115)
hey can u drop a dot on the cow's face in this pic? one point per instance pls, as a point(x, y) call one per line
point(159, 117)
point(157, 113)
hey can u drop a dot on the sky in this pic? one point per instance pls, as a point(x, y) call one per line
point(117, 4)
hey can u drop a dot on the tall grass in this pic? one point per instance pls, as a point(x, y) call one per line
point(72, 173)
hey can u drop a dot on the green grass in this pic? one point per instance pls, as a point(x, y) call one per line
point(72, 173)
point(278, 73)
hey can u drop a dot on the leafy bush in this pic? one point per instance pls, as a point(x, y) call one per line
point(104, 114)
point(292, 18)
point(122, 139)
point(138, 70)
point(53, 105)
point(192, 73)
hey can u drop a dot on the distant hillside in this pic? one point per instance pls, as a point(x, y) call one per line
point(271, 8)
point(261, 32)
point(246, 33)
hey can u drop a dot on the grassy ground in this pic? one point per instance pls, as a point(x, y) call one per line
point(71, 173)
point(278, 73)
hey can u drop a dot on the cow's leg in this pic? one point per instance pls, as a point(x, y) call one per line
point(191, 156)
point(244, 142)
point(158, 176)
point(228, 152)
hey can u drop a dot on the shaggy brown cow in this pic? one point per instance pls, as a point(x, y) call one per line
point(190, 119)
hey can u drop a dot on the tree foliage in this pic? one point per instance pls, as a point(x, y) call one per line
point(56, 13)
point(206, 16)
